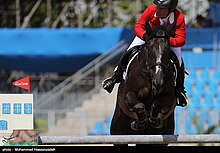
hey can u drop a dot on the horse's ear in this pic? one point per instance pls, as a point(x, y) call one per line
point(170, 28)
point(148, 28)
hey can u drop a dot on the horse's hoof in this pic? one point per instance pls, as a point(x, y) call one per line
point(134, 126)
point(137, 126)
point(155, 122)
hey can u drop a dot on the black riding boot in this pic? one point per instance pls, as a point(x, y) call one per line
point(109, 83)
point(182, 98)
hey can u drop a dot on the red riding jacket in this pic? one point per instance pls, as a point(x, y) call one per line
point(178, 37)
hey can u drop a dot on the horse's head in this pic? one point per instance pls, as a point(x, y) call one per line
point(158, 54)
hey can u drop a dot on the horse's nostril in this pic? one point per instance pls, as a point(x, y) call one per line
point(155, 122)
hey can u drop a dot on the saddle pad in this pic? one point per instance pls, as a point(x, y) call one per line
point(128, 66)
point(175, 72)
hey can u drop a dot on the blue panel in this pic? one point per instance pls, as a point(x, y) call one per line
point(17, 108)
point(98, 129)
point(204, 76)
point(56, 50)
point(27, 108)
point(200, 87)
point(3, 125)
point(188, 88)
point(199, 37)
point(212, 87)
point(194, 103)
point(192, 77)
point(69, 49)
point(39, 64)
point(57, 42)
point(208, 101)
point(6, 108)
point(217, 103)
point(216, 76)
point(199, 60)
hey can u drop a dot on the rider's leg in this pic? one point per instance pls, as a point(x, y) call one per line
point(182, 98)
point(117, 76)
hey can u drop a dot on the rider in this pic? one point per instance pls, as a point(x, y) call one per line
point(162, 12)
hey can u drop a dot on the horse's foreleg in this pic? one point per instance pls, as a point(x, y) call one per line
point(140, 110)
point(154, 120)
point(131, 100)
point(138, 107)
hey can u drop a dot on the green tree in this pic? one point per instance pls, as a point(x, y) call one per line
point(79, 13)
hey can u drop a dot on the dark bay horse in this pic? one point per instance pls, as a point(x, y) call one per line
point(146, 100)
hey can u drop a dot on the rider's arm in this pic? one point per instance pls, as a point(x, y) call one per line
point(139, 27)
point(178, 39)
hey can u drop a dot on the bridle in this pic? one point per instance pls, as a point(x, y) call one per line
point(147, 70)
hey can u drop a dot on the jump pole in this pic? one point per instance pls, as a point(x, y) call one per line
point(129, 139)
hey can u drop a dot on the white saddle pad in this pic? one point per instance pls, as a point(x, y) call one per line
point(127, 69)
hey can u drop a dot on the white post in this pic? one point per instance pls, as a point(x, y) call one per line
point(51, 121)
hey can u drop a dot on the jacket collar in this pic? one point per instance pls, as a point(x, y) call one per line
point(168, 20)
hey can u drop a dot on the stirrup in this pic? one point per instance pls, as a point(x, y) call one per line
point(183, 100)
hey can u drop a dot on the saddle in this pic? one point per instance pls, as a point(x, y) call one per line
point(131, 58)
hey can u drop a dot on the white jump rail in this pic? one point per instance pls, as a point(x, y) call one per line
point(129, 139)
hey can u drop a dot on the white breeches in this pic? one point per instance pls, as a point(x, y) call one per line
point(177, 50)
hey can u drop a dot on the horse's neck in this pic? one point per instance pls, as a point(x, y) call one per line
point(142, 57)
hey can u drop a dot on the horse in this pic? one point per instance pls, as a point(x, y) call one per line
point(146, 99)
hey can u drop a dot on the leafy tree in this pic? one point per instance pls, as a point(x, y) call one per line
point(92, 13)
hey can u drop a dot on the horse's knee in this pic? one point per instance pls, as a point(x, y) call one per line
point(143, 92)
point(140, 111)
point(131, 100)
point(139, 108)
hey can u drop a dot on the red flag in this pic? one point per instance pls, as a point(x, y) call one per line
point(23, 83)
